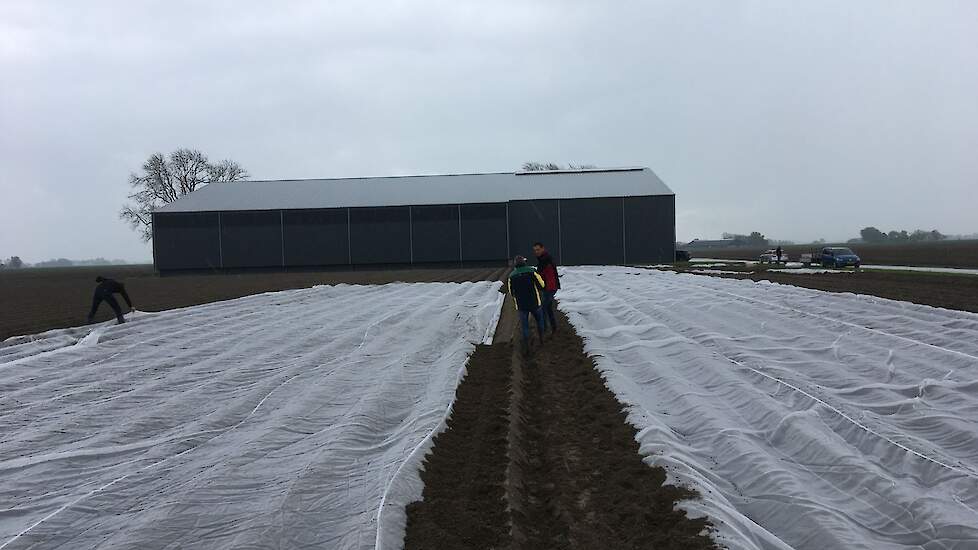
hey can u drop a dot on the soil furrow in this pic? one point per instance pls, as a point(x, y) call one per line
point(570, 474)
point(464, 497)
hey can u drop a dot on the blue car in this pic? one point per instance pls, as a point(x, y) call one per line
point(838, 257)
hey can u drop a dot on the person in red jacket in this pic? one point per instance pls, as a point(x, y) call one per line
point(551, 283)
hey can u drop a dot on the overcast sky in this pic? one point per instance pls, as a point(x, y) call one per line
point(797, 119)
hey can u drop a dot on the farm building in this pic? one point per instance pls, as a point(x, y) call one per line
point(597, 216)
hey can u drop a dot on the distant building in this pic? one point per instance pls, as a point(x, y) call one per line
point(589, 216)
point(700, 244)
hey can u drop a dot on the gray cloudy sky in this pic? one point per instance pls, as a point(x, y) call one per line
point(754, 112)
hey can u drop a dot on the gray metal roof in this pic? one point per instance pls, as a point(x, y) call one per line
point(420, 190)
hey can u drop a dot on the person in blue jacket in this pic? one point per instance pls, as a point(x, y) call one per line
point(526, 287)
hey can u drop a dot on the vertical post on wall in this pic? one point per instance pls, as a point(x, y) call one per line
point(411, 231)
point(509, 248)
point(673, 257)
point(220, 239)
point(152, 235)
point(459, 235)
point(349, 239)
point(560, 236)
point(281, 220)
point(624, 250)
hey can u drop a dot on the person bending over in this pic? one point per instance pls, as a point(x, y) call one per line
point(104, 292)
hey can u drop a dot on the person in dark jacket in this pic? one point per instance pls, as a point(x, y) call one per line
point(551, 283)
point(104, 292)
point(525, 286)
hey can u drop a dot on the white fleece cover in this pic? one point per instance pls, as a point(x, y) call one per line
point(807, 420)
point(719, 272)
point(809, 270)
point(280, 420)
point(954, 270)
point(720, 261)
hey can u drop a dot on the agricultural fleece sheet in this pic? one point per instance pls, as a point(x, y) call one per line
point(281, 420)
point(807, 420)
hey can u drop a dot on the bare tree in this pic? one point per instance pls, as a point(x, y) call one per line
point(534, 166)
point(164, 180)
point(226, 170)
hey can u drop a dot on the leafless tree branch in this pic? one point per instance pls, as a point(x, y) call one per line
point(164, 180)
point(534, 166)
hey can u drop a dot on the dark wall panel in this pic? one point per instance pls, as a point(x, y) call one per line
point(532, 221)
point(251, 239)
point(380, 235)
point(316, 237)
point(484, 232)
point(186, 241)
point(434, 233)
point(591, 231)
point(650, 229)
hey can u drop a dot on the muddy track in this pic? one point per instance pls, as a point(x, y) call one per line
point(466, 477)
point(569, 474)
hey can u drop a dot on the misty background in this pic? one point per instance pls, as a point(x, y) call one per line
point(802, 120)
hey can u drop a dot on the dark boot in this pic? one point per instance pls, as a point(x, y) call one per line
point(116, 309)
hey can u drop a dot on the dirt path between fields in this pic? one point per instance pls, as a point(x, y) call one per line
point(538, 455)
point(464, 477)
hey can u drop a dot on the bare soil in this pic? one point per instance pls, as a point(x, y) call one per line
point(939, 290)
point(572, 477)
point(35, 300)
point(467, 474)
point(933, 254)
point(946, 290)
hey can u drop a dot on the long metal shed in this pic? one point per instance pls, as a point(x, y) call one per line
point(596, 216)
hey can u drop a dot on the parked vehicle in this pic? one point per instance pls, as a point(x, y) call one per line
point(832, 256)
point(771, 257)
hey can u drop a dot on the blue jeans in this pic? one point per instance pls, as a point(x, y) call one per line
point(548, 309)
point(525, 323)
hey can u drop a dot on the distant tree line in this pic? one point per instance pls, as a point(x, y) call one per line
point(14, 262)
point(56, 262)
point(755, 238)
point(874, 235)
point(65, 262)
